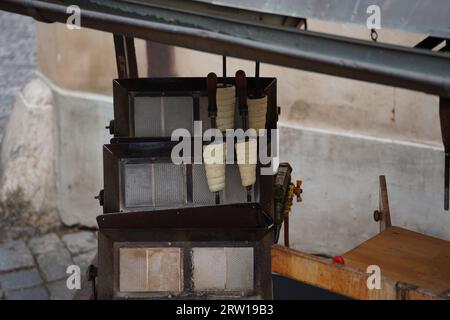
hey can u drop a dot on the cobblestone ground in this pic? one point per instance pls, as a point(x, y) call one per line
point(36, 268)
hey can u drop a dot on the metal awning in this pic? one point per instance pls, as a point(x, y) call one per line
point(189, 25)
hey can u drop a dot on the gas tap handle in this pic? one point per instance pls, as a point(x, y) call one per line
point(298, 190)
point(212, 94)
point(241, 92)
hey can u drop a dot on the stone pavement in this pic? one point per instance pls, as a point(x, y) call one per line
point(36, 269)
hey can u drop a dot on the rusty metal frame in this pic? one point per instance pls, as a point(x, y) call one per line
point(125, 57)
point(125, 90)
point(243, 225)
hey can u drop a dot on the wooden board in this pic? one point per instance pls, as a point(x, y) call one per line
point(406, 256)
point(325, 274)
point(345, 280)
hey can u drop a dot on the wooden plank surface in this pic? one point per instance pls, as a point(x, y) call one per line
point(406, 256)
point(345, 280)
point(325, 274)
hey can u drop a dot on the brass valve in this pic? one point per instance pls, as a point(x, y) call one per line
point(293, 190)
point(298, 190)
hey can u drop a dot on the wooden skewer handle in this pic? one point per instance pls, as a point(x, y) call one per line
point(212, 94)
point(241, 91)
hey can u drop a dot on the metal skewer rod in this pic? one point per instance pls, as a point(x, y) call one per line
point(212, 109)
point(241, 91)
point(224, 70)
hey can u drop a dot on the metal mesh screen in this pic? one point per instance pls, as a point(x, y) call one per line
point(239, 268)
point(178, 113)
point(200, 193)
point(138, 186)
point(148, 117)
point(150, 269)
point(132, 275)
point(219, 268)
point(203, 110)
point(164, 185)
point(160, 116)
point(234, 191)
point(170, 184)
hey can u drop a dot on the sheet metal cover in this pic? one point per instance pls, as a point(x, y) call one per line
point(240, 216)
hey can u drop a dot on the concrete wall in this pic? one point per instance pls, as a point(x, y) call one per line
point(81, 60)
point(81, 119)
point(17, 59)
point(340, 173)
point(52, 152)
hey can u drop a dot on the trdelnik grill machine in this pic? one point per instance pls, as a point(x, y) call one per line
point(190, 229)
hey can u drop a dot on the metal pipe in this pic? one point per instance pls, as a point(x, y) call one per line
point(212, 110)
point(241, 92)
point(339, 56)
point(224, 71)
point(259, 92)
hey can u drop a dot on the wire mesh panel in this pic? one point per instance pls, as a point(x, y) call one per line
point(218, 268)
point(148, 117)
point(154, 185)
point(178, 113)
point(200, 192)
point(234, 191)
point(150, 269)
point(239, 268)
point(133, 265)
point(138, 184)
point(203, 114)
point(160, 116)
point(169, 184)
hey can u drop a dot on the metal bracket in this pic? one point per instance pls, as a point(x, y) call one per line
point(101, 197)
point(92, 273)
point(125, 57)
point(110, 127)
point(402, 290)
point(383, 214)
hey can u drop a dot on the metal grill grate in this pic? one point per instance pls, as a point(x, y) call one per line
point(138, 187)
point(169, 184)
point(147, 117)
point(178, 113)
point(200, 193)
point(234, 191)
point(160, 116)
